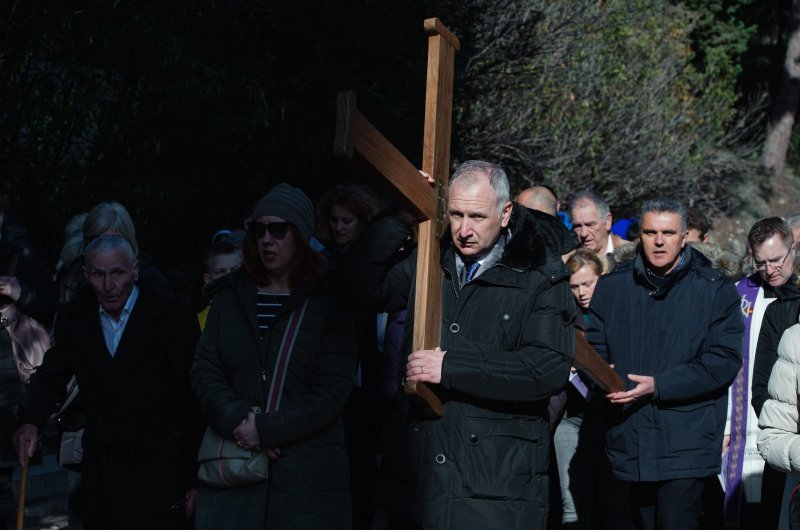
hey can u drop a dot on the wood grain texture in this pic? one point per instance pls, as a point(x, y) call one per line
point(355, 135)
point(595, 366)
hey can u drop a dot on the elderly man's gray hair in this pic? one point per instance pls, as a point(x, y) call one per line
point(592, 197)
point(110, 243)
point(661, 205)
point(468, 172)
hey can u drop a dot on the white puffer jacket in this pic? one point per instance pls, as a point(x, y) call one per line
point(779, 439)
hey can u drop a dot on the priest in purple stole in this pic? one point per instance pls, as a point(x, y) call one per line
point(772, 248)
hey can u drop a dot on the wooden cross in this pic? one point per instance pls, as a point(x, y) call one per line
point(356, 135)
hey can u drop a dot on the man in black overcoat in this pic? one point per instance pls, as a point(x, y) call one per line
point(130, 350)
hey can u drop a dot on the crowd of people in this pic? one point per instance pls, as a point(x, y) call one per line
point(299, 343)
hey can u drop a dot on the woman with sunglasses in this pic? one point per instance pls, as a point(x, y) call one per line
point(280, 288)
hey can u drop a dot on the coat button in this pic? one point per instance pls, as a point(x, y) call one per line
point(440, 459)
point(506, 318)
point(473, 438)
point(455, 328)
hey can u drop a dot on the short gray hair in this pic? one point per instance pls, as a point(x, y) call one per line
point(661, 205)
point(109, 243)
point(592, 197)
point(498, 179)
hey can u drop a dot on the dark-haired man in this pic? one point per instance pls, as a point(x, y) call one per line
point(130, 350)
point(670, 324)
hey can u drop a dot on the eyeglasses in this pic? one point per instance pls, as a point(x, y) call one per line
point(276, 230)
point(763, 266)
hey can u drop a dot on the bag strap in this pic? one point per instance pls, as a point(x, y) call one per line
point(287, 346)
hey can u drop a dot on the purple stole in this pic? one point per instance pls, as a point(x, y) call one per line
point(748, 290)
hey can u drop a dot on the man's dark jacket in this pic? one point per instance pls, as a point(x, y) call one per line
point(687, 334)
point(142, 424)
point(777, 319)
point(509, 340)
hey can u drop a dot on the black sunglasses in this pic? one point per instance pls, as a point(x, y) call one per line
point(276, 230)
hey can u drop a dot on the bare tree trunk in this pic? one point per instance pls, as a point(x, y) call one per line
point(782, 121)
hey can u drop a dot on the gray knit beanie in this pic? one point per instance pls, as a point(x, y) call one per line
point(289, 203)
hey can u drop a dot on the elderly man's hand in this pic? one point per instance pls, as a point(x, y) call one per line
point(425, 366)
point(645, 387)
point(26, 438)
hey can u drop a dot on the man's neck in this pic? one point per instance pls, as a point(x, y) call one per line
point(607, 246)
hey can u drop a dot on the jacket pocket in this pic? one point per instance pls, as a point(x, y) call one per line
point(504, 459)
point(690, 427)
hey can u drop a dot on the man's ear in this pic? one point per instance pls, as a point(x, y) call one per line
point(85, 271)
point(505, 216)
point(136, 270)
point(206, 277)
point(609, 221)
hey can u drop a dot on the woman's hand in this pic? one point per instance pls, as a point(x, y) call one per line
point(246, 434)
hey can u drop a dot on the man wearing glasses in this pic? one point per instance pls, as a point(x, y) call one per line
point(753, 490)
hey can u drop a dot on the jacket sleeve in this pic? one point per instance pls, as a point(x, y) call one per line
point(778, 441)
point(222, 408)
point(366, 276)
point(766, 353)
point(184, 332)
point(780, 449)
point(323, 400)
point(596, 326)
point(536, 370)
point(720, 355)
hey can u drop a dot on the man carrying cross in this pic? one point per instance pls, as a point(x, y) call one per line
point(506, 346)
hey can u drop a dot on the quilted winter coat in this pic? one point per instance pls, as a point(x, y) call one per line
point(509, 339)
point(308, 483)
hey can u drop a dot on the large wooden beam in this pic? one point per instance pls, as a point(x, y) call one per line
point(442, 46)
point(356, 135)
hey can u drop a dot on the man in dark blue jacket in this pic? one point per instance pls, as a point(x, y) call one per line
point(670, 323)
